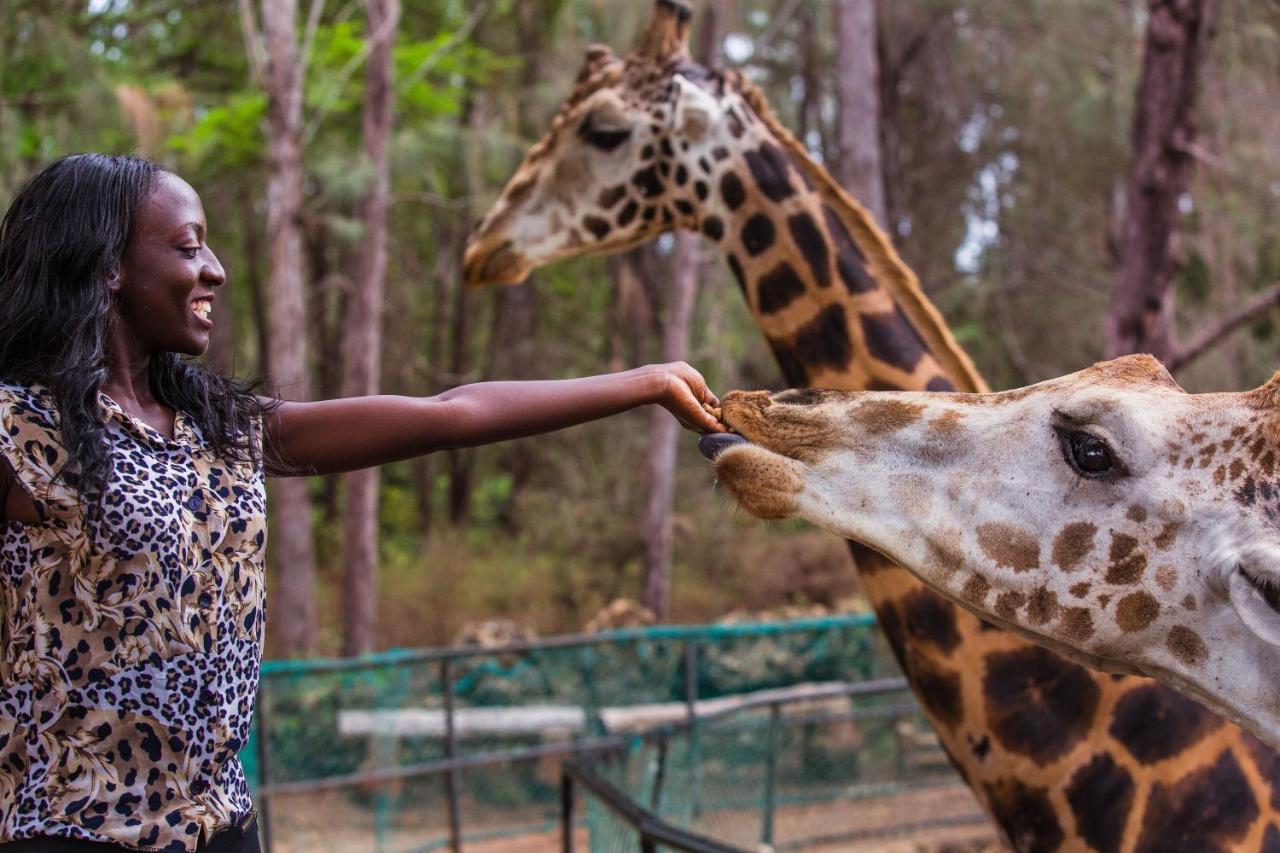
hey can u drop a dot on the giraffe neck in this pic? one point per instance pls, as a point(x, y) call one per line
point(838, 306)
point(1060, 755)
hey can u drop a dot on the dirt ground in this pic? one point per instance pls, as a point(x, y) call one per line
point(907, 822)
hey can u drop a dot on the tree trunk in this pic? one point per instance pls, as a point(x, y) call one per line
point(294, 551)
point(327, 285)
point(461, 463)
point(809, 115)
point(221, 355)
point(664, 431)
point(444, 274)
point(513, 346)
point(1141, 318)
point(632, 311)
point(252, 277)
point(513, 354)
point(857, 90)
point(363, 336)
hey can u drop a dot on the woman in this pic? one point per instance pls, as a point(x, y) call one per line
point(132, 548)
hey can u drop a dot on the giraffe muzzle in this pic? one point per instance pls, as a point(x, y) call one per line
point(501, 264)
point(797, 430)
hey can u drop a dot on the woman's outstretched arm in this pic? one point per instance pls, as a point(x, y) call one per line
point(332, 436)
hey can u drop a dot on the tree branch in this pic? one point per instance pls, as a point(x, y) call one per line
point(1200, 154)
point(1213, 335)
point(918, 41)
point(309, 34)
point(252, 42)
point(340, 80)
point(779, 20)
point(460, 35)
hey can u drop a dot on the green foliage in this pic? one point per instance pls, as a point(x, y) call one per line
point(226, 137)
point(1007, 134)
point(1195, 279)
point(435, 75)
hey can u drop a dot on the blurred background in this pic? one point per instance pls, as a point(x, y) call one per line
point(1007, 135)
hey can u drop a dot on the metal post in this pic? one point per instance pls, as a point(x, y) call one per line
point(659, 777)
point(691, 705)
point(568, 809)
point(451, 779)
point(866, 655)
point(386, 753)
point(264, 767)
point(770, 769)
point(896, 722)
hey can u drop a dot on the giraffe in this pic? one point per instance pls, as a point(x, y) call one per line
point(1107, 514)
point(1061, 757)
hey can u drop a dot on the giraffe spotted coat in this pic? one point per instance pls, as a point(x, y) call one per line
point(1062, 757)
point(129, 664)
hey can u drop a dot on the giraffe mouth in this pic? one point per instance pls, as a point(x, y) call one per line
point(502, 265)
point(713, 444)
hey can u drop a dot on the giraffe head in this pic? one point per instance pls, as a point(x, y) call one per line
point(632, 153)
point(1107, 514)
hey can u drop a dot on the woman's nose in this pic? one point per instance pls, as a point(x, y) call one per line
point(212, 272)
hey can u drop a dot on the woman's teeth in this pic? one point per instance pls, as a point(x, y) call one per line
point(202, 307)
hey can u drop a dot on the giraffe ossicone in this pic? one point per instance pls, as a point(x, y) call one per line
point(1107, 514)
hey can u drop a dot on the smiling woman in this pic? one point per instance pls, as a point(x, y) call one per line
point(132, 508)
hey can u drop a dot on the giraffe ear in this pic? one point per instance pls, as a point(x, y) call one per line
point(1268, 396)
point(597, 58)
point(668, 32)
point(697, 110)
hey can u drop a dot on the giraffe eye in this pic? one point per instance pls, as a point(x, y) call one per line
point(607, 140)
point(1269, 592)
point(604, 138)
point(1089, 455)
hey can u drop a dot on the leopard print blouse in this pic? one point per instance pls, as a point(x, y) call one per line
point(128, 666)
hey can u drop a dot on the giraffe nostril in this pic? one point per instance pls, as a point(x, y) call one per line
point(713, 444)
point(799, 397)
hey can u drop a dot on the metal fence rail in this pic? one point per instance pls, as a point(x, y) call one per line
point(650, 829)
point(442, 710)
point(638, 808)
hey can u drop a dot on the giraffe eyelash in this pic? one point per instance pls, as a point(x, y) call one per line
point(604, 138)
point(1080, 450)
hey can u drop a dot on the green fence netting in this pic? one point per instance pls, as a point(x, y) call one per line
point(841, 766)
point(412, 749)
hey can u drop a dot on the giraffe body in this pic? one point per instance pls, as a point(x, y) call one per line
point(1061, 756)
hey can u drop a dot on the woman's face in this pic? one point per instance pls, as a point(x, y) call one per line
point(168, 275)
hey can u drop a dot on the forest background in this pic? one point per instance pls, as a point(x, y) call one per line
point(1006, 134)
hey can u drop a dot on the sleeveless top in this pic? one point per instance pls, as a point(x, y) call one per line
point(129, 664)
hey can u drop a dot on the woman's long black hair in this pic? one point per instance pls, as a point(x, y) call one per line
point(60, 245)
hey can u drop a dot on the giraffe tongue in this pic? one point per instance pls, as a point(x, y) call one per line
point(713, 444)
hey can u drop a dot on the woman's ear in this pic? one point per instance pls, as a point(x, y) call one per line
point(113, 282)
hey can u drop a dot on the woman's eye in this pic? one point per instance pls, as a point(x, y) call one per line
point(189, 251)
point(1088, 454)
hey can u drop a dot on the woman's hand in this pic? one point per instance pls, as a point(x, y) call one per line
point(684, 393)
